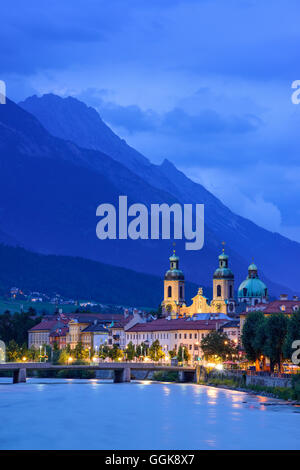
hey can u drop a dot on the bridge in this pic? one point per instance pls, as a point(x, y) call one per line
point(121, 370)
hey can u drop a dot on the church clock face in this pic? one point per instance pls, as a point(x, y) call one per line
point(218, 307)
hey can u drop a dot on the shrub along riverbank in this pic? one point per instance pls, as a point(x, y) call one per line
point(239, 383)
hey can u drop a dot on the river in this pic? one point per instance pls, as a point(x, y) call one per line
point(92, 414)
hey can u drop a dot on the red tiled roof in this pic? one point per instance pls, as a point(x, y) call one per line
point(121, 323)
point(179, 324)
point(50, 322)
point(44, 325)
point(276, 306)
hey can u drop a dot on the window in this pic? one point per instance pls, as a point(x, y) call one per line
point(175, 335)
point(181, 292)
point(184, 335)
point(219, 290)
point(245, 292)
point(169, 291)
point(191, 336)
point(195, 335)
point(230, 291)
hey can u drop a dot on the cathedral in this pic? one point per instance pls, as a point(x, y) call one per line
point(251, 291)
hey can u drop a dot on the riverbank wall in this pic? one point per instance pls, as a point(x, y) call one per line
point(262, 381)
point(268, 381)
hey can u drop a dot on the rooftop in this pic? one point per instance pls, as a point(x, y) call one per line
point(277, 306)
point(98, 327)
point(231, 324)
point(178, 324)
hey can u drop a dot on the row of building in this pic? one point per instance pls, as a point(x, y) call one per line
point(181, 325)
point(96, 330)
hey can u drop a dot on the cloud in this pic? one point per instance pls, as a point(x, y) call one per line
point(132, 117)
point(204, 83)
point(207, 121)
point(264, 213)
point(176, 122)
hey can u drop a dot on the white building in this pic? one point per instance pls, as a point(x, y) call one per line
point(173, 333)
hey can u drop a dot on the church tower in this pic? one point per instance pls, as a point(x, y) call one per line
point(173, 288)
point(223, 287)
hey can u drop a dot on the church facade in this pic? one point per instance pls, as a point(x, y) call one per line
point(223, 301)
point(250, 292)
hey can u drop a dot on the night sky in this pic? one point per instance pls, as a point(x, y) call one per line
point(206, 84)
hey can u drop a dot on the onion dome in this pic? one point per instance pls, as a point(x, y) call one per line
point(223, 271)
point(174, 273)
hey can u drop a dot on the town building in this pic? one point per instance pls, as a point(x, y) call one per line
point(59, 336)
point(70, 329)
point(283, 305)
point(39, 335)
point(232, 330)
point(117, 329)
point(94, 336)
point(172, 334)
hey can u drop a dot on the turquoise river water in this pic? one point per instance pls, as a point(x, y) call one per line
point(92, 414)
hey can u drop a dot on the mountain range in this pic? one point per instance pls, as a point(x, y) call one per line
point(79, 278)
point(59, 161)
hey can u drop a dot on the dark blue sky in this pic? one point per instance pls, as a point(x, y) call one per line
point(206, 84)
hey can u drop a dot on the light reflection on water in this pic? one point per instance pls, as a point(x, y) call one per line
point(93, 414)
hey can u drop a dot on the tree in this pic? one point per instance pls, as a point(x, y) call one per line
point(15, 326)
point(155, 351)
point(253, 336)
point(103, 351)
point(64, 356)
point(13, 352)
point(218, 344)
point(78, 351)
point(115, 353)
point(130, 351)
point(293, 333)
point(275, 331)
point(55, 353)
point(183, 354)
point(138, 352)
point(32, 354)
point(172, 353)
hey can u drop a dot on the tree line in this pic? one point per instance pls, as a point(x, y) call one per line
point(270, 336)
